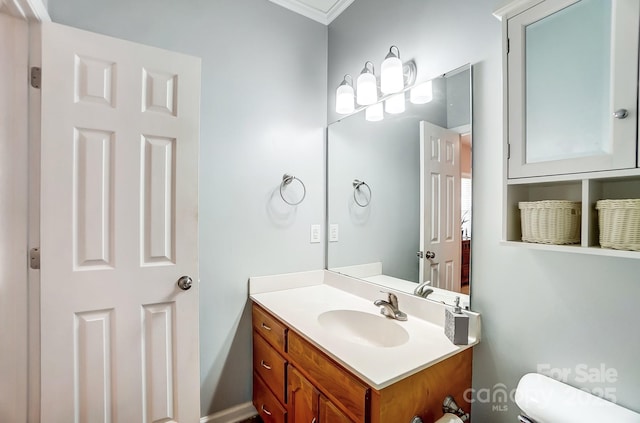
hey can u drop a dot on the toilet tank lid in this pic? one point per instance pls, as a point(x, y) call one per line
point(547, 400)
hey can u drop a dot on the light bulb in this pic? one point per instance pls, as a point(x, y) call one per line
point(374, 112)
point(391, 75)
point(394, 104)
point(421, 93)
point(367, 86)
point(344, 97)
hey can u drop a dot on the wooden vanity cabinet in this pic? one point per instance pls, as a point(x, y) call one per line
point(295, 382)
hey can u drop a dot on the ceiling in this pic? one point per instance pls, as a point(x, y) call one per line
point(323, 11)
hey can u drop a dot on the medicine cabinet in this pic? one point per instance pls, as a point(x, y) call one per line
point(570, 109)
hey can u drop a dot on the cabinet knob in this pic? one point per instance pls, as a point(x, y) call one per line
point(621, 113)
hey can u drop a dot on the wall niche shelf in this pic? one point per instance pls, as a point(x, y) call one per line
point(586, 188)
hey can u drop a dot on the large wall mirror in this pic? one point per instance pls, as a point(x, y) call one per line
point(399, 194)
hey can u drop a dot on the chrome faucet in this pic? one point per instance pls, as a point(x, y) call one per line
point(422, 290)
point(390, 308)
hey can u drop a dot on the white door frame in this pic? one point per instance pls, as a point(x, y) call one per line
point(24, 357)
point(13, 217)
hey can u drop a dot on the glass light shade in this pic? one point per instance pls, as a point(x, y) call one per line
point(344, 99)
point(391, 76)
point(374, 113)
point(366, 89)
point(394, 104)
point(421, 93)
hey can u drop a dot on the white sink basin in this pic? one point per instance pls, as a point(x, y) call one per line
point(364, 328)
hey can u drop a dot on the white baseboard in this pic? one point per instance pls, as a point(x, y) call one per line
point(231, 415)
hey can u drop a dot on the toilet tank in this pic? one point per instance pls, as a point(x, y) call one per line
point(547, 400)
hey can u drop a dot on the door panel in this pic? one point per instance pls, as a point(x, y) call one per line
point(120, 127)
point(302, 398)
point(440, 212)
point(329, 413)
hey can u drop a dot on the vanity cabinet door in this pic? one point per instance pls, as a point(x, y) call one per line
point(572, 87)
point(329, 413)
point(303, 398)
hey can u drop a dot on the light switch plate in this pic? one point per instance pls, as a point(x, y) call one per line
point(333, 232)
point(315, 234)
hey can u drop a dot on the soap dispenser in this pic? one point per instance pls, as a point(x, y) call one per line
point(456, 324)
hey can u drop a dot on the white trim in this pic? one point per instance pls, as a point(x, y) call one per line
point(35, 59)
point(513, 8)
point(231, 415)
point(337, 9)
point(30, 10)
point(313, 13)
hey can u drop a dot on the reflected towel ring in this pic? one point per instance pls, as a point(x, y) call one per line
point(287, 180)
point(356, 187)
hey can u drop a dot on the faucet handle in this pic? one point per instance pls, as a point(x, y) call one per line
point(392, 298)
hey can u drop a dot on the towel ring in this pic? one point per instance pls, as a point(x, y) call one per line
point(287, 180)
point(356, 187)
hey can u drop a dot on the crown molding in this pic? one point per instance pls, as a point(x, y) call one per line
point(313, 13)
point(30, 10)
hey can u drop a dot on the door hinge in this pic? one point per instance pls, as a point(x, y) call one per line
point(34, 258)
point(508, 151)
point(36, 77)
point(508, 45)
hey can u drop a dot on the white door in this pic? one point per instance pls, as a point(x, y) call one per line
point(119, 143)
point(440, 207)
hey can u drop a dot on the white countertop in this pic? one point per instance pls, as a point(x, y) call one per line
point(299, 308)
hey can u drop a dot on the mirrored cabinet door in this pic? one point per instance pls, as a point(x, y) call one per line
point(572, 88)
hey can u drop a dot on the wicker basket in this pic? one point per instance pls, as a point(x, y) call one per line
point(619, 222)
point(551, 221)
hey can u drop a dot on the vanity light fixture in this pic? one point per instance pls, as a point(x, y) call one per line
point(421, 93)
point(391, 74)
point(394, 77)
point(374, 113)
point(367, 86)
point(345, 96)
point(394, 104)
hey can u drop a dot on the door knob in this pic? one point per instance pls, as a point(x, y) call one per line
point(430, 255)
point(620, 114)
point(185, 282)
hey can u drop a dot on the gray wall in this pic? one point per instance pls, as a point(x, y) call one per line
point(538, 308)
point(263, 114)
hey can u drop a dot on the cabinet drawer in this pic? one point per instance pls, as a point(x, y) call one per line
point(268, 406)
point(270, 328)
point(270, 366)
point(336, 383)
